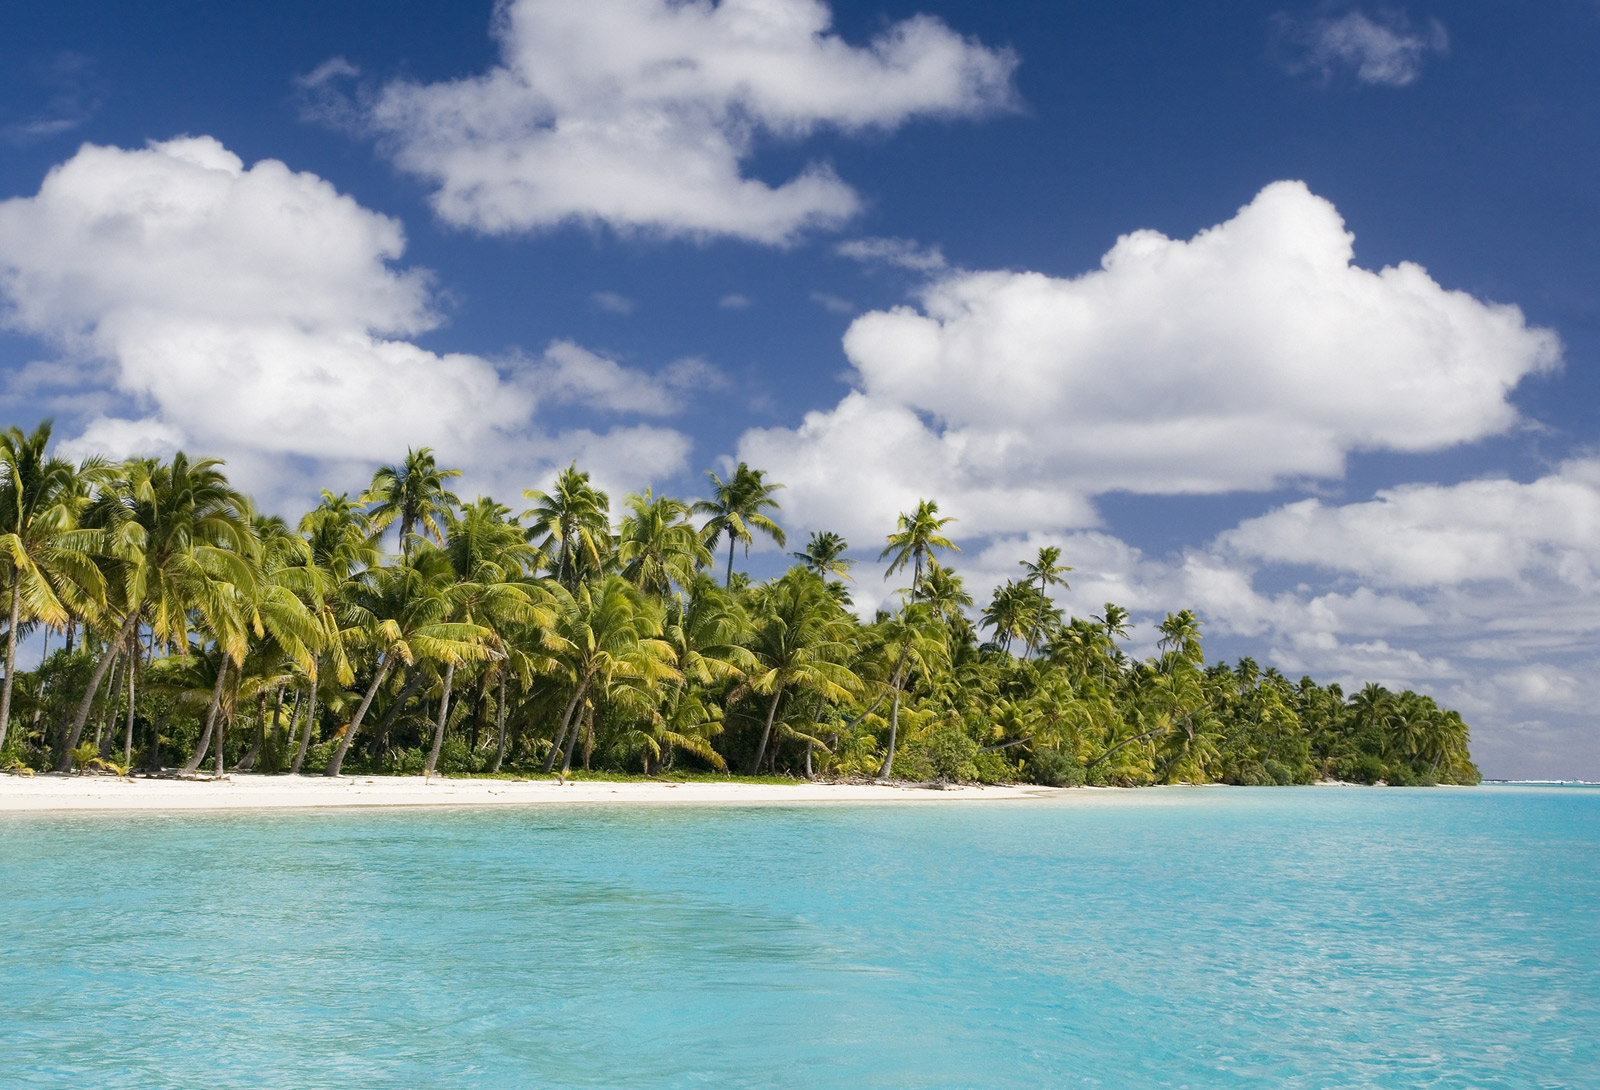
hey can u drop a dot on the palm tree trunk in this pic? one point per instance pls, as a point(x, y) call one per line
point(572, 739)
point(127, 734)
point(477, 711)
point(355, 723)
point(894, 733)
point(211, 719)
point(566, 720)
point(444, 716)
point(1125, 742)
point(728, 582)
point(109, 709)
point(11, 658)
point(294, 722)
point(153, 762)
point(64, 758)
point(226, 718)
point(809, 774)
point(766, 731)
point(305, 733)
point(500, 723)
point(38, 707)
point(413, 683)
point(250, 758)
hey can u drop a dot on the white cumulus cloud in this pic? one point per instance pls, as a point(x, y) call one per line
point(257, 313)
point(642, 114)
point(1424, 535)
point(1256, 353)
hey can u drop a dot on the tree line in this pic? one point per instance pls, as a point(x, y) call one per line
point(183, 630)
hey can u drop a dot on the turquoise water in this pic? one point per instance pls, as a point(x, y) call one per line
point(1167, 938)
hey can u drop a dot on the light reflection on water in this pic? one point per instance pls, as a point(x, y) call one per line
point(1201, 938)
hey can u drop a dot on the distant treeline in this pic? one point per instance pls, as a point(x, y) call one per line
point(185, 630)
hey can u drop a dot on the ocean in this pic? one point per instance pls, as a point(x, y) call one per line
point(1174, 937)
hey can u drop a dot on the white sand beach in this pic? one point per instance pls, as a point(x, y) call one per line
point(252, 792)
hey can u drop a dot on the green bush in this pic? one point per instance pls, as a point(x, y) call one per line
point(318, 756)
point(457, 759)
point(1052, 768)
point(1368, 768)
point(405, 762)
point(1278, 774)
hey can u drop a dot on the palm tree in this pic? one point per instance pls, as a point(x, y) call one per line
point(1042, 574)
point(920, 532)
point(913, 639)
point(802, 641)
point(339, 549)
point(405, 613)
point(489, 557)
point(1115, 622)
point(658, 545)
point(946, 594)
point(824, 554)
point(179, 545)
point(43, 558)
point(1011, 612)
point(575, 518)
point(736, 509)
point(610, 631)
point(413, 492)
point(1180, 632)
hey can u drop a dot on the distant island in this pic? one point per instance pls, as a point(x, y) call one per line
point(191, 631)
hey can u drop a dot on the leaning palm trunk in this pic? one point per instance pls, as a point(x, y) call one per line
point(85, 706)
point(127, 734)
point(109, 716)
point(11, 659)
point(355, 723)
point(500, 724)
point(444, 716)
point(227, 718)
point(413, 683)
point(585, 715)
point(248, 761)
point(566, 720)
point(894, 731)
point(294, 722)
point(305, 733)
point(766, 731)
point(211, 719)
point(894, 717)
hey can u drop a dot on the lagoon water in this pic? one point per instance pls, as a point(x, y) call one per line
point(1194, 938)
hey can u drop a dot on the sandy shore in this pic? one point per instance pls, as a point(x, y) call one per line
point(247, 792)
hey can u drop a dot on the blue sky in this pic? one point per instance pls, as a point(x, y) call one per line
point(654, 237)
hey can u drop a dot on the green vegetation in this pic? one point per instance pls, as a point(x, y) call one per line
point(188, 626)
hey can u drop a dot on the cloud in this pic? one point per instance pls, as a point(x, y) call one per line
point(833, 304)
point(734, 301)
point(1421, 535)
point(258, 313)
point(569, 374)
point(73, 94)
point(1255, 354)
point(612, 302)
point(1385, 51)
point(902, 253)
point(643, 114)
